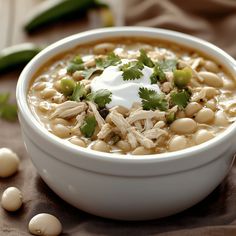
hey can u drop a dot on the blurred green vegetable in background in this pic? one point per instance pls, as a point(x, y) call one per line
point(49, 12)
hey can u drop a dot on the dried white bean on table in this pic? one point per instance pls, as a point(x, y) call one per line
point(45, 225)
point(9, 162)
point(11, 199)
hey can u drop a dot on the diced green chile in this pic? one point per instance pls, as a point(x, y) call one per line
point(182, 77)
point(67, 86)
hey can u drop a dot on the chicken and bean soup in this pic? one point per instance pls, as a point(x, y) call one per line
point(133, 96)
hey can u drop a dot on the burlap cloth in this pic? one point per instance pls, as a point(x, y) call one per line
point(213, 20)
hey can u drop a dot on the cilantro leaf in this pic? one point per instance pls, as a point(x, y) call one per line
point(180, 99)
point(151, 100)
point(89, 72)
point(157, 75)
point(100, 97)
point(72, 67)
point(75, 64)
point(77, 60)
point(78, 93)
point(111, 60)
point(161, 67)
point(144, 59)
point(88, 127)
point(168, 65)
point(132, 70)
point(7, 111)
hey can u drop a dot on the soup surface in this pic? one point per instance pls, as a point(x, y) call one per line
point(133, 96)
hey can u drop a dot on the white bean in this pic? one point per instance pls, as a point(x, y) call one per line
point(205, 115)
point(229, 84)
point(90, 63)
point(78, 141)
point(103, 48)
point(61, 131)
point(123, 145)
point(60, 121)
point(211, 104)
point(45, 225)
point(202, 136)
point(141, 151)
point(57, 85)
point(211, 92)
point(177, 143)
point(166, 87)
point(11, 199)
point(9, 162)
point(221, 119)
point(48, 93)
point(184, 126)
point(192, 108)
point(78, 75)
point(39, 86)
point(101, 146)
point(211, 66)
point(211, 79)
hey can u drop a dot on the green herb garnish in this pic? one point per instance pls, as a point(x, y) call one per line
point(77, 60)
point(89, 72)
point(100, 97)
point(88, 127)
point(144, 59)
point(157, 75)
point(170, 117)
point(7, 111)
point(181, 99)
point(132, 70)
point(78, 92)
point(75, 64)
point(182, 77)
point(72, 67)
point(111, 60)
point(168, 65)
point(151, 100)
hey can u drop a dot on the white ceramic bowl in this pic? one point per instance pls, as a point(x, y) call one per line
point(118, 186)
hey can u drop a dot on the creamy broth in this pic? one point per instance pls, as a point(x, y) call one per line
point(133, 96)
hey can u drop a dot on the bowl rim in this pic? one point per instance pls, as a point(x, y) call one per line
point(33, 123)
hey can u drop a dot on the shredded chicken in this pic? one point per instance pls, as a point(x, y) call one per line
point(148, 124)
point(69, 109)
point(144, 141)
point(98, 117)
point(196, 63)
point(138, 125)
point(132, 140)
point(141, 115)
point(105, 131)
point(119, 121)
point(154, 133)
point(174, 109)
point(204, 93)
point(159, 124)
point(80, 119)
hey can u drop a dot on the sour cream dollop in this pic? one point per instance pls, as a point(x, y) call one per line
point(124, 92)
